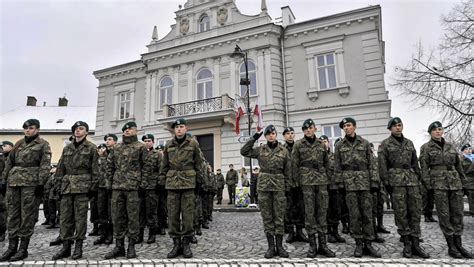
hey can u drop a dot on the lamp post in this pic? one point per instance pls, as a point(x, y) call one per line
point(238, 52)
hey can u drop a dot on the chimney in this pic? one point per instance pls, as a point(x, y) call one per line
point(287, 16)
point(62, 102)
point(31, 101)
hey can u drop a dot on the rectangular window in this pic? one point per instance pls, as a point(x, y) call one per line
point(326, 69)
point(332, 132)
point(124, 105)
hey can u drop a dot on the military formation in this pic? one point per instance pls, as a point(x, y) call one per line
point(130, 186)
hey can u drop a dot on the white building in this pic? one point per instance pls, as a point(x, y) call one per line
point(325, 69)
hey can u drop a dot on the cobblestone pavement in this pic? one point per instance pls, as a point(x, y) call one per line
point(237, 238)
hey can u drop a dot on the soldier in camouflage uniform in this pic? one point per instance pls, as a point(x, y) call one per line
point(353, 163)
point(162, 201)
point(5, 148)
point(209, 190)
point(336, 197)
point(442, 171)
point(26, 171)
point(182, 173)
point(468, 167)
point(53, 203)
point(294, 199)
point(125, 169)
point(149, 193)
point(310, 167)
point(401, 176)
point(78, 172)
point(377, 200)
point(220, 182)
point(46, 211)
point(275, 177)
point(231, 179)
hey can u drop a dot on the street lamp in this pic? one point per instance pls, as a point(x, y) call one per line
point(239, 53)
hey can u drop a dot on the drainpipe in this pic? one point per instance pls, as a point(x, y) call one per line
point(285, 89)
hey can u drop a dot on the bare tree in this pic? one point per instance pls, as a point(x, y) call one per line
point(443, 78)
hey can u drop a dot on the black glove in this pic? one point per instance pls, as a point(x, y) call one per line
point(3, 189)
point(389, 189)
point(374, 190)
point(39, 190)
point(256, 136)
point(91, 194)
point(141, 192)
point(466, 192)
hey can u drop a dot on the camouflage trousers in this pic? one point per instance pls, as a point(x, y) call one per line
point(336, 204)
point(450, 207)
point(359, 204)
point(104, 203)
point(219, 194)
point(428, 202)
point(181, 207)
point(162, 209)
point(407, 208)
point(94, 209)
point(149, 209)
point(207, 201)
point(45, 200)
point(294, 207)
point(125, 214)
point(197, 216)
point(377, 207)
point(22, 206)
point(3, 214)
point(272, 208)
point(470, 198)
point(73, 221)
point(316, 200)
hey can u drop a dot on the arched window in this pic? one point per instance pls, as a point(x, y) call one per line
point(204, 84)
point(166, 86)
point(252, 77)
point(204, 23)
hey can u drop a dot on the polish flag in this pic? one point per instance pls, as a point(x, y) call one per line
point(258, 112)
point(239, 112)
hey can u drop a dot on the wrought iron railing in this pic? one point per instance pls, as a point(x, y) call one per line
point(201, 106)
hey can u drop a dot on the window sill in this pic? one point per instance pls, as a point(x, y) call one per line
point(313, 93)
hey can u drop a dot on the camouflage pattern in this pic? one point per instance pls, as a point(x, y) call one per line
point(21, 218)
point(149, 205)
point(231, 179)
point(337, 202)
point(153, 160)
point(468, 167)
point(353, 164)
point(209, 191)
point(181, 206)
point(398, 167)
point(162, 206)
point(220, 182)
point(442, 171)
point(294, 202)
point(44, 200)
point(275, 176)
point(73, 220)
point(3, 206)
point(125, 214)
point(427, 199)
point(103, 199)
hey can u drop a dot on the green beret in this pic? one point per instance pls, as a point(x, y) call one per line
point(101, 146)
point(434, 125)
point(129, 125)
point(110, 135)
point(347, 120)
point(269, 129)
point(393, 121)
point(462, 148)
point(79, 123)
point(288, 129)
point(179, 121)
point(148, 136)
point(324, 137)
point(31, 122)
point(307, 123)
point(6, 143)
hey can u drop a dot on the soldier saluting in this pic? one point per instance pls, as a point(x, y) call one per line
point(77, 171)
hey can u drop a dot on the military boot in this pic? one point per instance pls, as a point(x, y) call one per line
point(271, 246)
point(109, 238)
point(176, 248)
point(291, 235)
point(103, 234)
point(161, 231)
point(57, 241)
point(22, 252)
point(64, 252)
point(95, 230)
point(380, 227)
point(131, 253)
point(452, 249)
point(345, 228)
point(300, 236)
point(359, 250)
point(331, 237)
point(313, 247)
point(118, 251)
point(205, 224)
point(407, 245)
point(187, 253)
point(53, 225)
point(323, 247)
point(151, 235)
point(46, 222)
point(429, 218)
point(370, 251)
point(140, 235)
point(77, 250)
point(12, 249)
point(458, 243)
point(193, 239)
point(417, 249)
point(280, 250)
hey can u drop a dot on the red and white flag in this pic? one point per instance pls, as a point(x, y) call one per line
point(239, 113)
point(258, 112)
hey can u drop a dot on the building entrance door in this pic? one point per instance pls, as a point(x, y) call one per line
point(206, 143)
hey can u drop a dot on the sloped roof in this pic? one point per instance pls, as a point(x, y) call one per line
point(50, 117)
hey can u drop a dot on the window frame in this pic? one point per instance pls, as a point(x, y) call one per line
point(125, 101)
point(204, 26)
point(168, 91)
point(206, 81)
point(326, 68)
point(243, 88)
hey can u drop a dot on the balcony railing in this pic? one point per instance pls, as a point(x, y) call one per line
point(219, 103)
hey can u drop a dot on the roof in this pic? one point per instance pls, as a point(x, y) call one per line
point(50, 117)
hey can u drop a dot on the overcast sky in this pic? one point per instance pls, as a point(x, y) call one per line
point(50, 48)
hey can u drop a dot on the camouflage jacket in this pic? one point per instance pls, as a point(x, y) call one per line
point(232, 177)
point(398, 163)
point(28, 164)
point(3, 158)
point(153, 160)
point(353, 164)
point(220, 182)
point(334, 183)
point(126, 165)
point(182, 164)
point(441, 167)
point(78, 170)
point(209, 184)
point(275, 165)
point(102, 168)
point(468, 167)
point(310, 162)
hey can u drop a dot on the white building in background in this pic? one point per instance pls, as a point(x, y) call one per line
point(325, 69)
